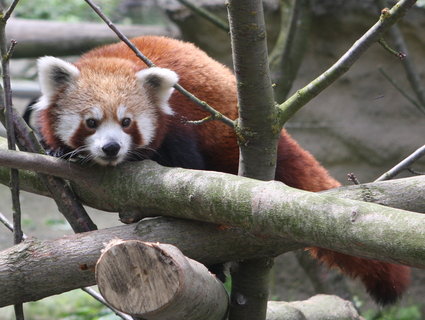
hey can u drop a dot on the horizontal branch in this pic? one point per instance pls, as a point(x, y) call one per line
point(406, 193)
point(141, 189)
point(36, 269)
point(40, 37)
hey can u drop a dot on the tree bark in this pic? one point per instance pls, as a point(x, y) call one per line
point(36, 269)
point(319, 307)
point(263, 208)
point(40, 37)
point(257, 138)
point(157, 282)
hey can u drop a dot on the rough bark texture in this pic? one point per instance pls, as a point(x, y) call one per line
point(257, 137)
point(36, 269)
point(157, 282)
point(407, 193)
point(264, 208)
point(319, 307)
point(40, 37)
point(258, 133)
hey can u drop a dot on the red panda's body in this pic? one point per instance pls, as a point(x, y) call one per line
point(104, 79)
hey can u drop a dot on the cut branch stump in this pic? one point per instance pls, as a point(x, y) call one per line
point(156, 281)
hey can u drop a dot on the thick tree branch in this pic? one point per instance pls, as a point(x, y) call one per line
point(304, 95)
point(161, 283)
point(318, 307)
point(36, 269)
point(89, 291)
point(406, 193)
point(264, 208)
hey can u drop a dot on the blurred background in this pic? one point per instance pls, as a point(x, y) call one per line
point(362, 124)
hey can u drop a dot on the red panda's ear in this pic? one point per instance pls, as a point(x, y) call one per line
point(54, 73)
point(159, 83)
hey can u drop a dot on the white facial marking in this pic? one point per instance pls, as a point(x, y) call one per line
point(107, 132)
point(161, 81)
point(68, 125)
point(145, 124)
point(95, 113)
point(122, 112)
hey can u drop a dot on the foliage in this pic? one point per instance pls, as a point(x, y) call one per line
point(395, 313)
point(74, 305)
point(70, 10)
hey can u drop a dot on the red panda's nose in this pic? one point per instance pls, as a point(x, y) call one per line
point(111, 149)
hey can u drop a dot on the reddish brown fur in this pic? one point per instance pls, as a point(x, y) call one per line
point(215, 84)
point(48, 119)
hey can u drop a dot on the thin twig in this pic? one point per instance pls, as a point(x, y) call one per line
point(386, 46)
point(409, 67)
point(9, 11)
point(217, 115)
point(9, 225)
point(99, 298)
point(351, 177)
point(406, 163)
point(415, 172)
point(288, 51)
point(214, 19)
point(403, 92)
point(202, 121)
point(315, 87)
point(6, 53)
point(11, 139)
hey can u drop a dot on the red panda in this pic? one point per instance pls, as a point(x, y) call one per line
point(109, 107)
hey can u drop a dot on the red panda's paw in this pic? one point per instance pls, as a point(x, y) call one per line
point(387, 287)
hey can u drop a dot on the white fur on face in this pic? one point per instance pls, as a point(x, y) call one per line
point(161, 82)
point(146, 126)
point(95, 113)
point(68, 125)
point(107, 132)
point(122, 113)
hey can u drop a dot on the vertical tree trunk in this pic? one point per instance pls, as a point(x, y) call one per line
point(258, 135)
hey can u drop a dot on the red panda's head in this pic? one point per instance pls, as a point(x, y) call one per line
point(102, 107)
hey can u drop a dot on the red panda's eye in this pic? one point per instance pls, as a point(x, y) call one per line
point(91, 123)
point(125, 122)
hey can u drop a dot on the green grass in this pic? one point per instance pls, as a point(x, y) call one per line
point(73, 305)
point(395, 313)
